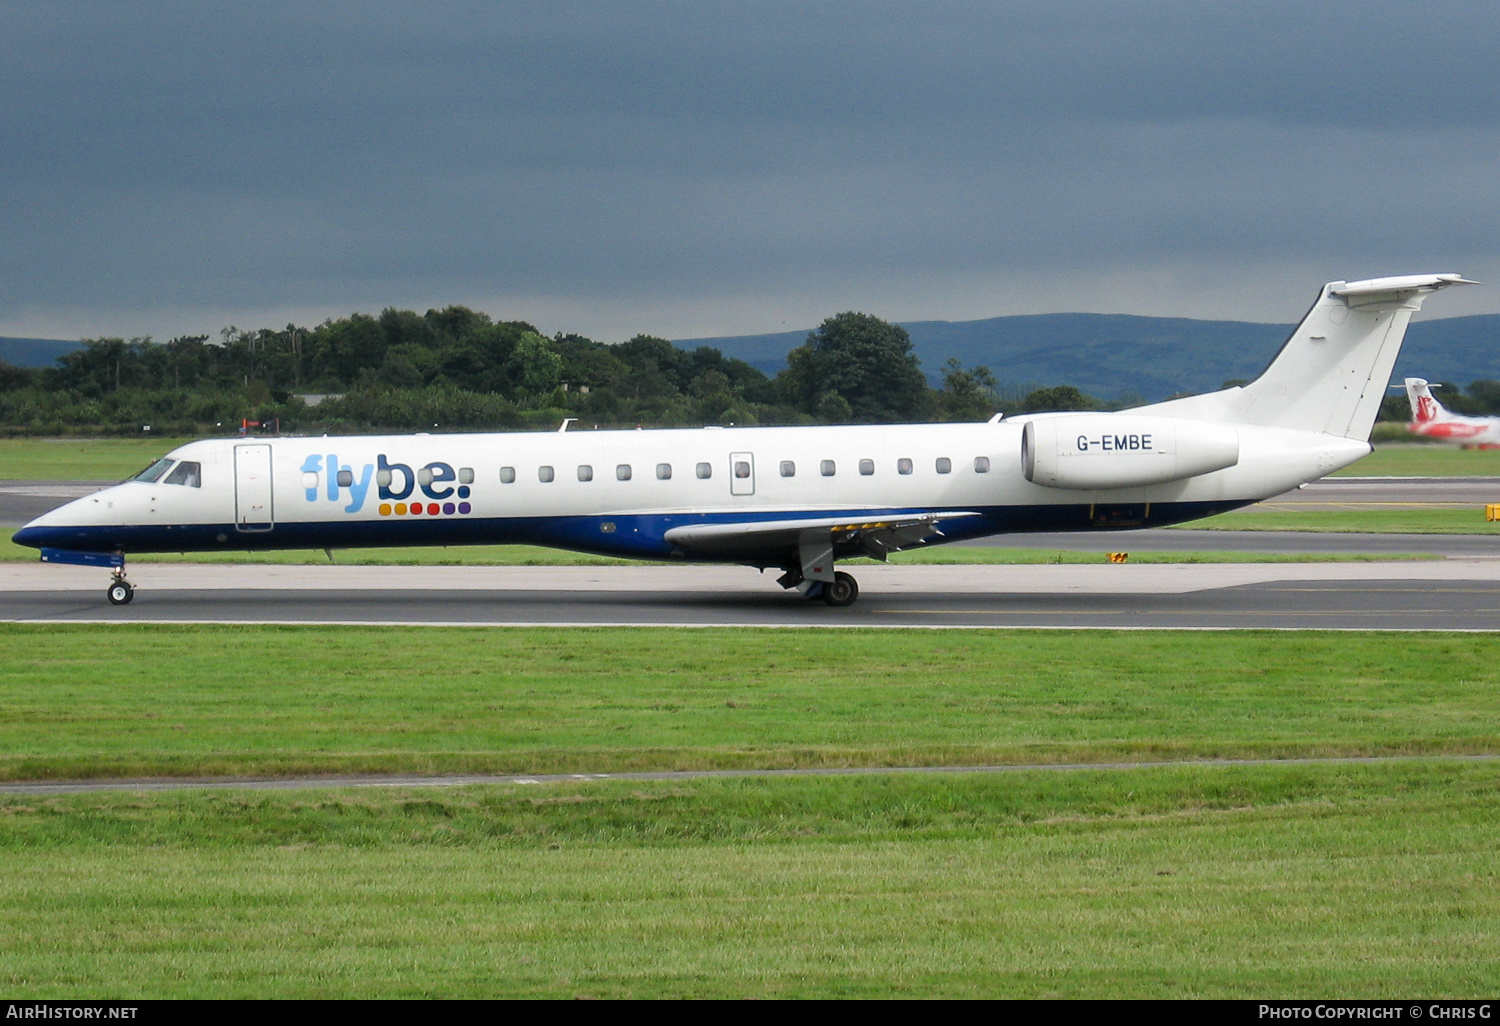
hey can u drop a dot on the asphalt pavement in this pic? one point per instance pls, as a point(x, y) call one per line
point(1449, 594)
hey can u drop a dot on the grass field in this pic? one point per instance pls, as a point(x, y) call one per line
point(142, 700)
point(1352, 881)
point(1297, 517)
point(79, 459)
point(112, 459)
point(1407, 459)
point(1322, 880)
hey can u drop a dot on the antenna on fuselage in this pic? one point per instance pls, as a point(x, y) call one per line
point(565, 423)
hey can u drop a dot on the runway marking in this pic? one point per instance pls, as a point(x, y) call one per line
point(323, 783)
point(769, 625)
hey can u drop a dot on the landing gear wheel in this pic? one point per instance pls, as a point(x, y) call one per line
point(842, 592)
point(120, 593)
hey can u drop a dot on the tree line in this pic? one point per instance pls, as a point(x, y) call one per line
point(457, 369)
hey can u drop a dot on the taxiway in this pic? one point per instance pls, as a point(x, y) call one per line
point(1451, 594)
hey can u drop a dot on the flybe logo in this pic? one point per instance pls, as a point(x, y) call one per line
point(325, 478)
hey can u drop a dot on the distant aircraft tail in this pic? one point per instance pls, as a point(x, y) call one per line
point(1331, 374)
point(1425, 409)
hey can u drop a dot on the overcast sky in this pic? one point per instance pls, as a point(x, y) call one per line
point(691, 169)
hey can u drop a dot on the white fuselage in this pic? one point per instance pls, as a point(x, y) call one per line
point(620, 492)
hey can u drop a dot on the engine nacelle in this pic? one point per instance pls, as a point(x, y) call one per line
point(1108, 450)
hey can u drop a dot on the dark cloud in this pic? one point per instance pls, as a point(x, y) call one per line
point(183, 161)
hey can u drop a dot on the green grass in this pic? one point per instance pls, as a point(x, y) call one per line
point(1326, 880)
point(142, 700)
point(1258, 882)
point(1408, 459)
point(79, 459)
point(1297, 517)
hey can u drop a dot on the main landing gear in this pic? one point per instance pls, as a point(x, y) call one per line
point(120, 591)
point(814, 575)
point(842, 591)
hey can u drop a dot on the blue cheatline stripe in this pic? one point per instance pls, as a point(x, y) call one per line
point(638, 535)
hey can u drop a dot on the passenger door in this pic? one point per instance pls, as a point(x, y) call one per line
point(252, 488)
point(741, 473)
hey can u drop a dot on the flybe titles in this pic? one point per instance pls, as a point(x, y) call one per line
point(325, 477)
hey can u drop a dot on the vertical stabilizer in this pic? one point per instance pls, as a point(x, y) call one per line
point(1424, 405)
point(1331, 375)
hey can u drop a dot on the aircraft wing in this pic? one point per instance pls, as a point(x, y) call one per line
point(875, 535)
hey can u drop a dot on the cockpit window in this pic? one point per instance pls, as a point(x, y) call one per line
point(186, 473)
point(156, 470)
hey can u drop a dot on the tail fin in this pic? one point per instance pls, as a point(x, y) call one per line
point(1332, 373)
point(1424, 405)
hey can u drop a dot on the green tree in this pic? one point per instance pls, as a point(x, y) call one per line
point(1485, 396)
point(863, 360)
point(534, 367)
point(13, 377)
point(1060, 398)
point(967, 394)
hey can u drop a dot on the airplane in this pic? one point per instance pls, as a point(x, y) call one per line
point(1431, 419)
point(795, 499)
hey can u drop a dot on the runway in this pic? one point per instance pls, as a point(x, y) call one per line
point(1461, 592)
point(1436, 595)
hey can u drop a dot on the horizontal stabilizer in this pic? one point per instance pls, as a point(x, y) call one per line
point(1399, 283)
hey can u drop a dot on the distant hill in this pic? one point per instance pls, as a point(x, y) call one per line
point(1108, 355)
point(34, 352)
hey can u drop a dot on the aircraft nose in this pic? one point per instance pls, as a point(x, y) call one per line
point(51, 528)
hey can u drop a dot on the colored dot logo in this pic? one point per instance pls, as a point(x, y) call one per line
point(432, 509)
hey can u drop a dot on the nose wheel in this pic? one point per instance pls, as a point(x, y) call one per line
point(120, 591)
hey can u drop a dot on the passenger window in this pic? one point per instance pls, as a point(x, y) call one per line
point(155, 471)
point(465, 475)
point(585, 472)
point(705, 471)
point(507, 475)
point(346, 478)
point(544, 474)
point(185, 473)
point(827, 468)
point(664, 471)
point(424, 477)
point(622, 472)
point(742, 469)
point(382, 478)
point(944, 465)
point(981, 464)
point(867, 467)
point(903, 466)
point(788, 468)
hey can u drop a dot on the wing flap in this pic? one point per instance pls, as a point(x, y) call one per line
point(877, 534)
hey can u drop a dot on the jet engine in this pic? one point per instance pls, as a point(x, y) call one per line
point(1107, 450)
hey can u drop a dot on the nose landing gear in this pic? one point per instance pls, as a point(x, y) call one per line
point(120, 591)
